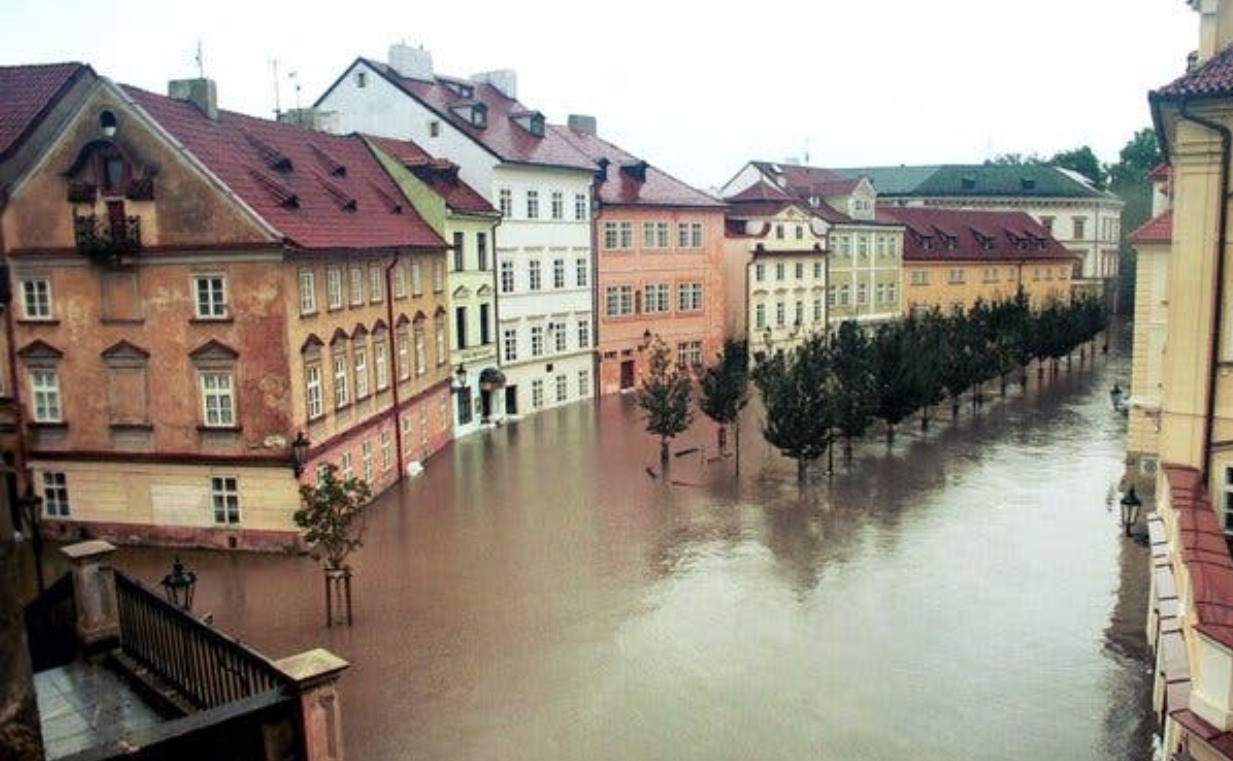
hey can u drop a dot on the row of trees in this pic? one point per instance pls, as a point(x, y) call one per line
point(834, 389)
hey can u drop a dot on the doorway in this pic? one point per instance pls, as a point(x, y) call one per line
point(627, 374)
point(511, 400)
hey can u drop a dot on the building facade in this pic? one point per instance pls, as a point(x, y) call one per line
point(955, 257)
point(468, 223)
point(660, 247)
point(532, 175)
point(196, 288)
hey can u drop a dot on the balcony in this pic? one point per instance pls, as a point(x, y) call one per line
point(104, 238)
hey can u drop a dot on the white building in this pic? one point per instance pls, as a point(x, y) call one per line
point(540, 183)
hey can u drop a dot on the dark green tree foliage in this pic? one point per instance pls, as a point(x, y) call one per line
point(664, 397)
point(854, 382)
point(961, 358)
point(797, 389)
point(331, 516)
point(724, 387)
point(926, 335)
point(1082, 160)
point(896, 376)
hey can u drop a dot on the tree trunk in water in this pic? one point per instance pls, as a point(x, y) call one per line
point(924, 419)
point(890, 434)
point(954, 408)
point(663, 452)
point(847, 449)
point(723, 438)
point(1040, 370)
point(736, 434)
point(801, 471)
point(1003, 384)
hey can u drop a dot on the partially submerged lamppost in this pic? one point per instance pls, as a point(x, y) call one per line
point(1130, 509)
point(179, 586)
point(31, 506)
point(1115, 396)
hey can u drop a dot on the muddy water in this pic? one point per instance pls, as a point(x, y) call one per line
point(537, 595)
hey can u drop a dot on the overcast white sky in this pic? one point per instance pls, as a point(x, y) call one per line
point(695, 88)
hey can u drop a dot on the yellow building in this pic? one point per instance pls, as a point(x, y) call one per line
point(954, 257)
point(1190, 623)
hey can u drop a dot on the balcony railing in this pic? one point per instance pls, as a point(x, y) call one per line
point(106, 238)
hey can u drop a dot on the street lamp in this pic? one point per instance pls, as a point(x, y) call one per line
point(1130, 509)
point(31, 506)
point(179, 585)
point(1115, 396)
point(299, 452)
point(460, 378)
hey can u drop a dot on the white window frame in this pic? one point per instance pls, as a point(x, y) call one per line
point(334, 288)
point(210, 296)
point(308, 292)
point(584, 334)
point(537, 340)
point(376, 283)
point(381, 361)
point(507, 276)
point(509, 345)
point(36, 300)
point(582, 272)
point(361, 372)
point(56, 502)
point(225, 500)
point(314, 391)
point(213, 389)
point(46, 403)
point(355, 281)
point(342, 394)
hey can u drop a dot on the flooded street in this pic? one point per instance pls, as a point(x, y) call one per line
point(536, 595)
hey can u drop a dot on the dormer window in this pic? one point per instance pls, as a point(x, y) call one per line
point(459, 89)
point(361, 79)
point(475, 114)
point(968, 182)
point(531, 121)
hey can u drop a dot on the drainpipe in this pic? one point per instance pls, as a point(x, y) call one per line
point(1226, 142)
point(392, 349)
point(19, 421)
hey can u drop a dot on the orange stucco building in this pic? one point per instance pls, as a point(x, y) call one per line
point(659, 252)
point(193, 289)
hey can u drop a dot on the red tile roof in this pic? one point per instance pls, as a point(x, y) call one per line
point(1160, 172)
point(502, 136)
point(439, 174)
point(1156, 230)
point(1204, 552)
point(1013, 235)
point(27, 93)
point(631, 181)
point(319, 191)
point(1213, 78)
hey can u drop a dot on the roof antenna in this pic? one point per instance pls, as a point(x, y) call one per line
point(294, 76)
point(200, 62)
point(278, 109)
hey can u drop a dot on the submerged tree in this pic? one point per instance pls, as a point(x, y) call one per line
point(852, 364)
point(664, 397)
point(331, 516)
point(796, 390)
point(724, 391)
point(896, 379)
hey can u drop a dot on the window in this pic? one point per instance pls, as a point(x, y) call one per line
point(778, 232)
point(438, 276)
point(654, 234)
point(1080, 226)
point(424, 425)
point(537, 340)
point(560, 336)
point(880, 293)
point(862, 293)
point(619, 300)
point(483, 324)
point(558, 205)
point(618, 235)
point(780, 314)
point(800, 270)
point(956, 276)
point(341, 395)
point(881, 246)
point(217, 400)
point(532, 204)
point(862, 246)
point(344, 465)
point(580, 207)
point(387, 450)
point(892, 294)
point(434, 128)
point(314, 399)
point(381, 361)
point(584, 383)
point(361, 79)
point(689, 353)
point(817, 270)
point(760, 316)
point(817, 310)
point(506, 201)
point(845, 295)
point(558, 273)
point(562, 386)
point(507, 277)
point(460, 327)
point(537, 393)
point(442, 357)
point(920, 277)
point(1228, 498)
point(481, 251)
point(361, 372)
point(830, 296)
point(534, 278)
point(581, 273)
point(460, 258)
point(45, 395)
point(689, 235)
point(510, 344)
point(36, 298)
point(1047, 223)
point(689, 297)
point(759, 273)
point(779, 271)
point(421, 354)
point(584, 334)
point(417, 279)
point(55, 495)
point(225, 499)
point(657, 299)
point(356, 285)
point(404, 354)
point(308, 292)
point(376, 284)
point(366, 459)
point(800, 232)
point(211, 296)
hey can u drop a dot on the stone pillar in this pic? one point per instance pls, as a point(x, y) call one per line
point(316, 674)
point(20, 738)
point(94, 587)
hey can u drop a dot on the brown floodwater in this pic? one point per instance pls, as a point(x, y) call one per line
point(536, 595)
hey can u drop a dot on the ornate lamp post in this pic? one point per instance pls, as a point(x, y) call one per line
point(1130, 509)
point(179, 585)
point(31, 506)
point(460, 378)
point(299, 453)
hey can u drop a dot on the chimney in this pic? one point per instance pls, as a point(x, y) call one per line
point(311, 118)
point(412, 63)
point(1215, 26)
point(582, 123)
point(505, 80)
point(202, 93)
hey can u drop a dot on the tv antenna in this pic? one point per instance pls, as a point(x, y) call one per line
point(294, 76)
point(278, 109)
point(200, 62)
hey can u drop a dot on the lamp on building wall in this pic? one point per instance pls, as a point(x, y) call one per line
point(646, 339)
point(1115, 396)
point(179, 586)
point(1130, 509)
point(31, 506)
point(459, 381)
point(299, 453)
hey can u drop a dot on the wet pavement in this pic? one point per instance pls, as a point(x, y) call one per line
point(537, 595)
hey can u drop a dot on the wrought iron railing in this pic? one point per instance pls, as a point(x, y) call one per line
point(206, 667)
point(106, 237)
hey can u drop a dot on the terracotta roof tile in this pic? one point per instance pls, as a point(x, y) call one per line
point(1205, 554)
point(27, 93)
point(631, 181)
point(438, 174)
point(1159, 229)
point(1013, 235)
point(320, 191)
point(1214, 77)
